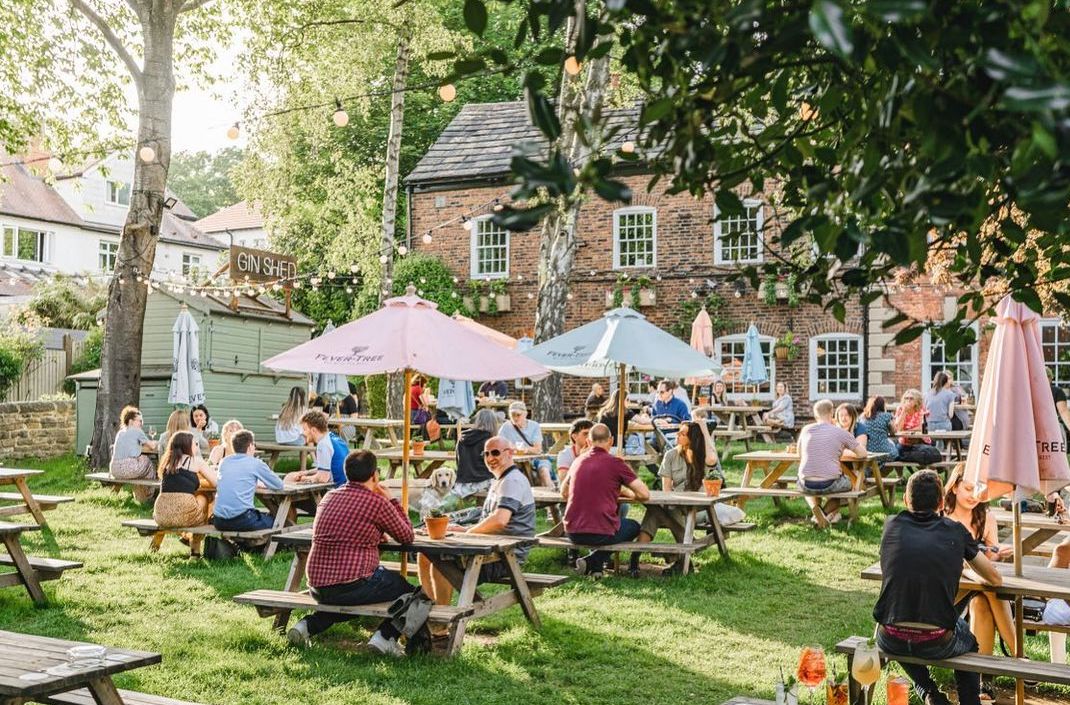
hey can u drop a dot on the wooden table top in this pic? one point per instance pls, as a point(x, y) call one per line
point(730, 409)
point(364, 422)
point(1038, 581)
point(658, 498)
point(1030, 520)
point(446, 455)
point(296, 488)
point(938, 435)
point(784, 456)
point(8, 528)
point(23, 654)
point(461, 544)
point(10, 473)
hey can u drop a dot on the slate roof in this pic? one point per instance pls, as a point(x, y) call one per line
point(27, 196)
point(479, 142)
point(243, 215)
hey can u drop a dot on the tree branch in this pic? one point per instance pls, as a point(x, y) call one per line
point(110, 37)
point(191, 5)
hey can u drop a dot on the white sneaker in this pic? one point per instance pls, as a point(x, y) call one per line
point(298, 635)
point(835, 517)
point(387, 647)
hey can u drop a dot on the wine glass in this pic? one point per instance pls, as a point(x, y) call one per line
point(152, 432)
point(866, 666)
point(898, 691)
point(812, 670)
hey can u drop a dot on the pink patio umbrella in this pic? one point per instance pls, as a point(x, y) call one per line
point(1016, 442)
point(506, 341)
point(702, 341)
point(408, 334)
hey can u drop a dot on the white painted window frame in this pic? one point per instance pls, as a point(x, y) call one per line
point(119, 185)
point(473, 253)
point(718, 231)
point(770, 364)
point(816, 342)
point(927, 360)
point(616, 236)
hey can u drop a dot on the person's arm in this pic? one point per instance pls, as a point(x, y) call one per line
point(985, 570)
point(536, 440)
point(712, 458)
point(566, 485)
point(639, 490)
point(853, 447)
point(269, 478)
point(394, 519)
point(493, 524)
point(666, 483)
point(991, 538)
point(208, 473)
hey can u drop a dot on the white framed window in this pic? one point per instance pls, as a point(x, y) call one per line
point(836, 367)
point(118, 193)
point(190, 263)
point(728, 351)
point(1055, 342)
point(27, 244)
point(635, 237)
point(490, 249)
point(962, 366)
point(107, 255)
point(738, 239)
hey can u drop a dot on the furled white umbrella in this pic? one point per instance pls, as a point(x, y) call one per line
point(754, 372)
point(187, 385)
point(622, 339)
point(327, 384)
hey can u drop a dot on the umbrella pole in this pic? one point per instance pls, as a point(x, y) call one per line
point(622, 405)
point(1019, 608)
point(406, 434)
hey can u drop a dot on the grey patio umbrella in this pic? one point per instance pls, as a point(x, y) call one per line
point(326, 384)
point(187, 386)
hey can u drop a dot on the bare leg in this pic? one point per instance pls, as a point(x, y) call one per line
point(1060, 557)
point(982, 625)
point(434, 584)
point(832, 506)
point(1001, 614)
point(544, 476)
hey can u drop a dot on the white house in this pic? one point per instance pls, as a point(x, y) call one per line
point(242, 221)
point(73, 225)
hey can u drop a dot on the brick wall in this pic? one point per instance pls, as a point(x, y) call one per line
point(684, 262)
point(36, 429)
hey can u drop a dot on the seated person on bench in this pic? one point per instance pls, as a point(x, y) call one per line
point(579, 441)
point(508, 510)
point(592, 487)
point(820, 446)
point(239, 475)
point(782, 414)
point(668, 404)
point(922, 556)
point(331, 451)
point(343, 564)
point(180, 503)
point(526, 436)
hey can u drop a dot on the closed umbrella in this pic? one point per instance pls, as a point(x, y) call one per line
point(456, 397)
point(187, 385)
point(754, 371)
point(702, 341)
point(330, 385)
point(621, 339)
point(1016, 442)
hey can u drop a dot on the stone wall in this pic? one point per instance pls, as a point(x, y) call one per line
point(36, 429)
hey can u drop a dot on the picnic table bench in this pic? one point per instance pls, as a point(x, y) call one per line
point(951, 439)
point(1042, 528)
point(37, 668)
point(25, 501)
point(458, 556)
point(773, 464)
point(743, 417)
point(373, 434)
point(30, 571)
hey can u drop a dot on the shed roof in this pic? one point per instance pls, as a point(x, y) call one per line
point(262, 307)
point(479, 142)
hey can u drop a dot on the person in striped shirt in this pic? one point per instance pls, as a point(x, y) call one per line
point(821, 444)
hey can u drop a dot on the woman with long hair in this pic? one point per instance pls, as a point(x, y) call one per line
point(940, 403)
point(128, 461)
point(202, 425)
point(910, 416)
point(226, 436)
point(880, 427)
point(847, 419)
point(288, 427)
point(988, 613)
point(683, 469)
point(782, 414)
point(609, 414)
point(183, 475)
point(177, 422)
point(719, 397)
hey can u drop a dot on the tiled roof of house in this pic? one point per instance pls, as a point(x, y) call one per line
point(479, 142)
point(243, 215)
point(27, 196)
point(185, 232)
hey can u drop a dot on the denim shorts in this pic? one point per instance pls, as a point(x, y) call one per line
point(840, 484)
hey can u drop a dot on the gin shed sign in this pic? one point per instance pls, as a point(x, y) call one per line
point(251, 265)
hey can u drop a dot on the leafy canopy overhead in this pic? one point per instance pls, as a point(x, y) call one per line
point(898, 125)
point(203, 179)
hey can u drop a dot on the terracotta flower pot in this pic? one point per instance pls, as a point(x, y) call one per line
point(712, 487)
point(418, 447)
point(781, 352)
point(213, 442)
point(436, 527)
point(703, 401)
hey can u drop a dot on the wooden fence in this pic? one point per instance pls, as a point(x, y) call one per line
point(46, 374)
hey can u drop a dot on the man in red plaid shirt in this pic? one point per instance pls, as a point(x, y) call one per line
point(343, 564)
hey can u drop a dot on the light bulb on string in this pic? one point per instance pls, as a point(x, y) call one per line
point(427, 239)
point(349, 290)
point(383, 259)
point(573, 66)
point(569, 296)
point(340, 117)
point(54, 165)
point(423, 280)
point(233, 131)
point(498, 207)
point(447, 92)
point(330, 275)
point(147, 154)
point(354, 268)
point(628, 147)
point(402, 250)
point(466, 223)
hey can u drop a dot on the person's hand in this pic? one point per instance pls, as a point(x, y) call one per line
point(626, 493)
point(1004, 553)
point(457, 528)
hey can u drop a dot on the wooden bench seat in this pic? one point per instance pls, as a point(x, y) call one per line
point(270, 602)
point(82, 696)
point(653, 547)
point(45, 502)
point(148, 527)
point(542, 581)
point(792, 480)
point(45, 568)
point(973, 663)
point(775, 492)
point(106, 479)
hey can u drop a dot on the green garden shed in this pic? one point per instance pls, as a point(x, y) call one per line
point(232, 344)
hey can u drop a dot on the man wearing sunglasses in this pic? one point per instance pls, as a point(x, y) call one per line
point(508, 510)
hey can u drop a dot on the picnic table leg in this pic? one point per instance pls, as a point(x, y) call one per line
point(748, 472)
point(31, 503)
point(718, 530)
point(523, 594)
point(689, 538)
point(875, 470)
point(25, 570)
point(465, 598)
point(293, 584)
point(282, 514)
point(104, 691)
point(157, 541)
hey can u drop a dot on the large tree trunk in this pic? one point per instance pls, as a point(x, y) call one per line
point(394, 385)
point(580, 97)
point(120, 375)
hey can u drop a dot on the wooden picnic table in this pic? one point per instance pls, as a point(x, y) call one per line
point(373, 434)
point(459, 557)
point(773, 464)
point(953, 439)
point(34, 667)
point(29, 571)
point(430, 460)
point(29, 504)
point(558, 433)
point(743, 417)
point(489, 403)
point(1043, 527)
point(1036, 581)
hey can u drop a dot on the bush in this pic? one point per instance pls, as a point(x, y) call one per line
point(89, 359)
point(11, 366)
point(376, 393)
point(434, 280)
point(62, 302)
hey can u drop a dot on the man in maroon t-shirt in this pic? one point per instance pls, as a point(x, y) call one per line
point(594, 484)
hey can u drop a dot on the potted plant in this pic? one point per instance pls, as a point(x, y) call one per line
point(500, 301)
point(475, 301)
point(213, 438)
point(767, 291)
point(418, 447)
point(712, 483)
point(786, 348)
point(437, 522)
point(792, 285)
point(643, 292)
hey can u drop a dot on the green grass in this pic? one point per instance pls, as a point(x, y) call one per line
point(703, 638)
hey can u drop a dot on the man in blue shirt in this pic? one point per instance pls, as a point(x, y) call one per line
point(331, 452)
point(668, 404)
point(239, 474)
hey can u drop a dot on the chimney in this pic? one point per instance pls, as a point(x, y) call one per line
point(37, 157)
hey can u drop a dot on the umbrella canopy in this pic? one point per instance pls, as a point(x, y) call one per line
point(187, 386)
point(1016, 440)
point(456, 398)
point(622, 336)
point(486, 331)
point(330, 385)
point(407, 333)
point(754, 371)
point(702, 341)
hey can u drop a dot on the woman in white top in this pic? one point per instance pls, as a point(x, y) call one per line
point(782, 415)
point(227, 437)
point(288, 427)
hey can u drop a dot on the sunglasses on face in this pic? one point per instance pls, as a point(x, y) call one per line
point(492, 453)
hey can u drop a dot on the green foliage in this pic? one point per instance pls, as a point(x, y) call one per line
point(89, 358)
point(202, 179)
point(376, 394)
point(19, 345)
point(432, 278)
point(787, 340)
point(64, 302)
point(687, 310)
point(769, 289)
point(905, 127)
point(11, 366)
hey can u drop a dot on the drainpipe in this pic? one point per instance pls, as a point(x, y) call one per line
point(408, 217)
point(865, 352)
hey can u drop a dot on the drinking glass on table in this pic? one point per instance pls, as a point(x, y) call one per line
point(866, 666)
point(812, 670)
point(152, 432)
point(898, 691)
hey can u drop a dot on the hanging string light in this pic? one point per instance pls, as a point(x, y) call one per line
point(628, 147)
point(447, 92)
point(340, 117)
point(233, 131)
point(427, 239)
